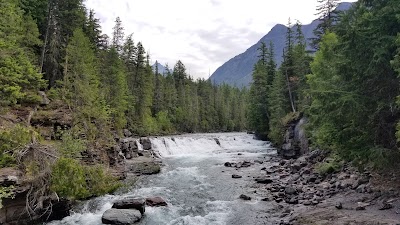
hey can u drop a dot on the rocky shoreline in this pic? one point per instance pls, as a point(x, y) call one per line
point(301, 195)
point(296, 188)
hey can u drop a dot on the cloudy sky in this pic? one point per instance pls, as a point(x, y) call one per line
point(203, 34)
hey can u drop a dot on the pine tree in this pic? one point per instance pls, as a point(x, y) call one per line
point(327, 17)
point(63, 17)
point(114, 85)
point(287, 67)
point(19, 78)
point(82, 92)
point(118, 35)
point(92, 30)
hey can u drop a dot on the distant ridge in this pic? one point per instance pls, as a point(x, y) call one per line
point(161, 69)
point(238, 70)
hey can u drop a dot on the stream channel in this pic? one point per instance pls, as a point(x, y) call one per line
point(198, 187)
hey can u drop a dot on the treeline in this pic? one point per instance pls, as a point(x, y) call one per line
point(107, 82)
point(347, 86)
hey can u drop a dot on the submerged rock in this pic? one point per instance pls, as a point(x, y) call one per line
point(156, 202)
point(121, 216)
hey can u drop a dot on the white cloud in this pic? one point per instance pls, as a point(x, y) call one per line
point(202, 33)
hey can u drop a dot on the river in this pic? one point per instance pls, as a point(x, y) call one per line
point(194, 181)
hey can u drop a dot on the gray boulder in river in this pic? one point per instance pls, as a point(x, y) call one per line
point(121, 216)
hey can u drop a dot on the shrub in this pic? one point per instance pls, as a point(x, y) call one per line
point(11, 141)
point(330, 165)
point(68, 179)
point(70, 146)
point(74, 181)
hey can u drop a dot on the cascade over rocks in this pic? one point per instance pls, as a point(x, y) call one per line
point(295, 140)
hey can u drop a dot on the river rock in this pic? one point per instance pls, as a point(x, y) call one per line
point(361, 205)
point(127, 133)
point(131, 203)
point(385, 205)
point(156, 201)
point(228, 164)
point(44, 100)
point(121, 216)
point(339, 205)
point(143, 166)
point(245, 197)
point(289, 190)
point(261, 180)
point(146, 143)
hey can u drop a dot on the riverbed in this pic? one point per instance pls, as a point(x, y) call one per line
point(198, 187)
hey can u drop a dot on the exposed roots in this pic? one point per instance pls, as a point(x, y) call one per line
point(36, 161)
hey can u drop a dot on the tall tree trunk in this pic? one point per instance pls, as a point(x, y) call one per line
point(46, 36)
point(290, 92)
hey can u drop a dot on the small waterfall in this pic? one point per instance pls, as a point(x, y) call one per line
point(203, 143)
point(139, 146)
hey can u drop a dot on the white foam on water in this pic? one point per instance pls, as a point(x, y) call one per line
point(187, 149)
point(217, 213)
point(85, 217)
point(205, 144)
point(140, 146)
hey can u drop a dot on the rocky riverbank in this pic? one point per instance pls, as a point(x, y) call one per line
point(302, 195)
point(130, 158)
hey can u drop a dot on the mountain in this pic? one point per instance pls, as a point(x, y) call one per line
point(238, 70)
point(161, 69)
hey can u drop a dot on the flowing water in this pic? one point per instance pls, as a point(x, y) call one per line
point(194, 182)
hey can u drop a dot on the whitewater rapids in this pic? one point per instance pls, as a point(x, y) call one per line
point(193, 181)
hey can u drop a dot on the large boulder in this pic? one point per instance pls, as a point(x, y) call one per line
point(143, 166)
point(156, 201)
point(43, 98)
point(131, 203)
point(146, 143)
point(121, 216)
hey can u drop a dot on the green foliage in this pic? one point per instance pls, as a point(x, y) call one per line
point(68, 179)
point(11, 141)
point(100, 181)
point(71, 147)
point(164, 122)
point(353, 85)
point(72, 180)
point(330, 165)
point(258, 101)
point(81, 88)
point(6, 192)
point(114, 85)
point(19, 78)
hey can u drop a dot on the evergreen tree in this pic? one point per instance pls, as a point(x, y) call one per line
point(63, 17)
point(92, 30)
point(327, 17)
point(118, 35)
point(19, 78)
point(115, 87)
point(81, 83)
